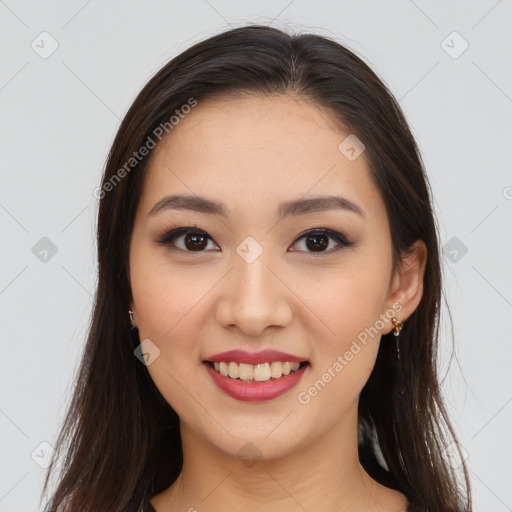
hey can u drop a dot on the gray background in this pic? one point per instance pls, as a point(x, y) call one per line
point(59, 115)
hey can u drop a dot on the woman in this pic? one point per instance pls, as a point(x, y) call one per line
point(265, 326)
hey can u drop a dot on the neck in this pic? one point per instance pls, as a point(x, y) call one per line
point(323, 474)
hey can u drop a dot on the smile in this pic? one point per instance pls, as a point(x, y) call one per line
point(253, 390)
point(262, 372)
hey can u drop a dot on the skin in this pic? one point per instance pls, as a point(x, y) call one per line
point(252, 153)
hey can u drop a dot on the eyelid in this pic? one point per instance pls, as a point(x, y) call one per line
point(325, 231)
point(176, 231)
point(342, 241)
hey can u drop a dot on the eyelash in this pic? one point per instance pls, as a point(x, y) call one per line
point(342, 241)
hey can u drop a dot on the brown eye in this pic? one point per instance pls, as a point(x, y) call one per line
point(186, 239)
point(195, 242)
point(318, 241)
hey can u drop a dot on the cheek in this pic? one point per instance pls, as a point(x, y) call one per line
point(166, 298)
point(168, 301)
point(347, 331)
point(346, 301)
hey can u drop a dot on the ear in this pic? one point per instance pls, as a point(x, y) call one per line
point(406, 287)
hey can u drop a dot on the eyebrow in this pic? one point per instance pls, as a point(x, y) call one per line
point(286, 209)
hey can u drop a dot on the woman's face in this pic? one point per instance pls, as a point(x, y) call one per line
point(260, 275)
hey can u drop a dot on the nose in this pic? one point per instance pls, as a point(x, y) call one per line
point(254, 297)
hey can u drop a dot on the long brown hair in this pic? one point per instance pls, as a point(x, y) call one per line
point(120, 442)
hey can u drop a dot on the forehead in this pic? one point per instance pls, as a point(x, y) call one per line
point(252, 151)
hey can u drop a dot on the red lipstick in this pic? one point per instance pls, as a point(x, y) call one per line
point(264, 356)
point(255, 391)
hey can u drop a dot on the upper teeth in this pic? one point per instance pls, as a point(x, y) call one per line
point(259, 372)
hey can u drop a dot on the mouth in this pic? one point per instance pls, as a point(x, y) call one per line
point(256, 373)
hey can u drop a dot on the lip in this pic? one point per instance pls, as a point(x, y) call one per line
point(264, 356)
point(255, 391)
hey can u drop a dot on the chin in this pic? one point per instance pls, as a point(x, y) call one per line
point(252, 445)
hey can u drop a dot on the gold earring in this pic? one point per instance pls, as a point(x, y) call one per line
point(397, 324)
point(398, 327)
